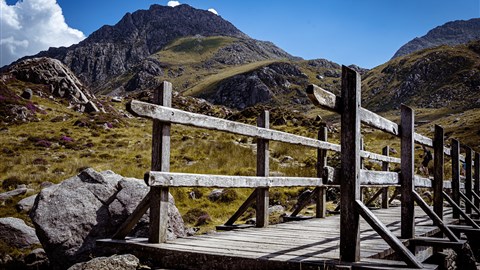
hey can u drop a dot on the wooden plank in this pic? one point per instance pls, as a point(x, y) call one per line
point(331, 176)
point(468, 178)
point(350, 158)
point(374, 197)
point(263, 169)
point(436, 219)
point(385, 167)
point(438, 171)
point(383, 231)
point(455, 175)
point(476, 180)
point(437, 242)
point(407, 168)
point(169, 179)
point(460, 212)
point(245, 205)
point(160, 162)
point(175, 116)
point(327, 100)
point(321, 192)
point(133, 219)
point(378, 157)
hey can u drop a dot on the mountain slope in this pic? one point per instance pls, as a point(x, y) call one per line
point(441, 77)
point(451, 33)
point(113, 55)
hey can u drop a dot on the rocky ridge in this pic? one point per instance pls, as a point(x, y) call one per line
point(451, 33)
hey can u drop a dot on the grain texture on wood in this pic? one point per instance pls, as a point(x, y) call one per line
point(385, 167)
point(437, 220)
point(468, 178)
point(169, 179)
point(176, 116)
point(407, 175)
point(438, 171)
point(388, 236)
point(263, 170)
point(455, 153)
point(160, 162)
point(350, 158)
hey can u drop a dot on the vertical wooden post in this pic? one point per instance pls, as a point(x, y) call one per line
point(468, 178)
point(160, 162)
point(321, 196)
point(385, 152)
point(263, 169)
point(476, 179)
point(455, 154)
point(407, 167)
point(362, 166)
point(438, 171)
point(350, 173)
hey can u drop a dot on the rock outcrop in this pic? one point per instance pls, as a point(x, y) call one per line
point(15, 233)
point(451, 33)
point(115, 262)
point(71, 216)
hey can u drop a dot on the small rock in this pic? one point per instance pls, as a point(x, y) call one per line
point(117, 99)
point(14, 232)
point(251, 221)
point(27, 94)
point(90, 107)
point(115, 262)
point(26, 204)
point(276, 209)
point(37, 259)
point(10, 194)
point(396, 202)
point(215, 194)
point(286, 159)
point(320, 77)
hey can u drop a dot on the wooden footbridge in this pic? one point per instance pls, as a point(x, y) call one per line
point(358, 238)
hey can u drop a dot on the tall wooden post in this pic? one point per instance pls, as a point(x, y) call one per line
point(385, 152)
point(263, 169)
point(350, 173)
point(321, 196)
point(455, 154)
point(160, 162)
point(407, 167)
point(468, 178)
point(438, 171)
point(476, 179)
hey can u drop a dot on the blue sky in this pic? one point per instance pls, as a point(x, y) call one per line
point(366, 32)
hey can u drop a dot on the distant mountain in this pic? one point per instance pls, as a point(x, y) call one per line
point(451, 33)
point(122, 57)
point(440, 77)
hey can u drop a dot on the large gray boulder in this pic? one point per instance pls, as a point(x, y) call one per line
point(71, 216)
point(115, 262)
point(15, 233)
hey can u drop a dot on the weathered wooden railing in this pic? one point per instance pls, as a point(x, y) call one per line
point(350, 177)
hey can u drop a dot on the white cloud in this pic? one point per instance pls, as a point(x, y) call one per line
point(213, 11)
point(31, 26)
point(173, 3)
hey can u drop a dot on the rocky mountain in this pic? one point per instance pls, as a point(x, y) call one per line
point(451, 33)
point(120, 56)
point(440, 77)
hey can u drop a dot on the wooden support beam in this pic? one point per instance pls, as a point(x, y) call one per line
point(476, 197)
point(468, 178)
point(169, 179)
point(374, 197)
point(455, 153)
point(263, 169)
point(321, 192)
point(175, 116)
point(437, 243)
point(407, 175)
point(438, 171)
point(435, 218)
point(302, 204)
point(388, 236)
point(385, 167)
point(242, 208)
point(469, 203)
point(350, 158)
point(476, 180)
point(133, 219)
point(160, 162)
point(460, 212)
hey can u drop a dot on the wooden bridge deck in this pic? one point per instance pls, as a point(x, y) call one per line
point(307, 244)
